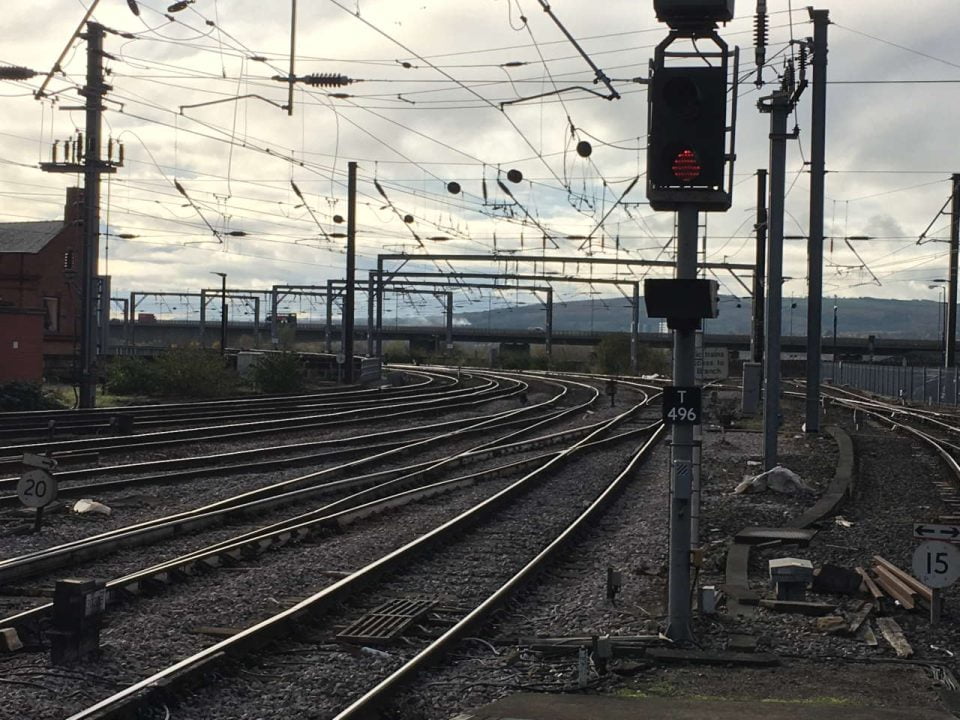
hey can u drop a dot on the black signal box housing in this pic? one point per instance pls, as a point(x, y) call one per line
point(679, 13)
point(684, 303)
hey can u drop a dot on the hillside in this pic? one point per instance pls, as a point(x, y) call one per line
point(921, 319)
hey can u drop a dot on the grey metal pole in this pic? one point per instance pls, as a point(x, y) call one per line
point(821, 20)
point(548, 329)
point(274, 321)
point(756, 337)
point(635, 330)
point(379, 306)
point(448, 296)
point(203, 318)
point(371, 295)
point(256, 320)
point(835, 308)
point(133, 319)
point(779, 109)
point(328, 330)
point(346, 325)
point(223, 314)
point(681, 470)
point(951, 324)
point(94, 91)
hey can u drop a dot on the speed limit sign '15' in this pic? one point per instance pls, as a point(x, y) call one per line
point(936, 563)
point(36, 488)
point(682, 405)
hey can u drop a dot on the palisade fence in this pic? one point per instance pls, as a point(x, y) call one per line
point(926, 385)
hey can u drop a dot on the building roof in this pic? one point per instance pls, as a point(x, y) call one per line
point(28, 237)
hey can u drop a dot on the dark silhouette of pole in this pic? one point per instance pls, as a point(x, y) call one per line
point(779, 106)
point(821, 20)
point(346, 326)
point(94, 91)
point(951, 321)
point(756, 336)
point(223, 311)
point(834, 339)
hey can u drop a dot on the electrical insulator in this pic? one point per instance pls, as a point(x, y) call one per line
point(804, 61)
point(761, 34)
point(55, 144)
point(789, 76)
point(109, 149)
point(326, 80)
point(16, 72)
point(120, 145)
point(80, 148)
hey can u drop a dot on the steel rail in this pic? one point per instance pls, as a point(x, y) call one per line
point(41, 424)
point(196, 460)
point(365, 706)
point(233, 430)
point(245, 547)
point(425, 379)
point(124, 701)
point(259, 499)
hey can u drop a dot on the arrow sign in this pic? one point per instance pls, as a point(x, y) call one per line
point(931, 531)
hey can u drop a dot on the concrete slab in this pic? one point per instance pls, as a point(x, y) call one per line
point(580, 707)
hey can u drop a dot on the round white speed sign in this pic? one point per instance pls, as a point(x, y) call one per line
point(936, 563)
point(36, 488)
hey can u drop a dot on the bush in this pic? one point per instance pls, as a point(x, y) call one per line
point(20, 395)
point(180, 372)
point(133, 376)
point(278, 373)
point(194, 373)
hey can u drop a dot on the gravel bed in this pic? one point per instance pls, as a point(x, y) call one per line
point(134, 559)
point(322, 680)
point(143, 637)
point(147, 502)
point(141, 502)
point(892, 490)
point(188, 449)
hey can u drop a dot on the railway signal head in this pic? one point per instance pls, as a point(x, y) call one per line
point(686, 148)
point(684, 13)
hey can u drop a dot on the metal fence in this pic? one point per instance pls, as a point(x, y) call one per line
point(926, 385)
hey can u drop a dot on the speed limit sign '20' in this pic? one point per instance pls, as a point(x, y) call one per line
point(36, 488)
point(936, 563)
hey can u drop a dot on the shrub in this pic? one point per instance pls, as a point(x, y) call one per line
point(185, 372)
point(20, 395)
point(278, 373)
point(133, 376)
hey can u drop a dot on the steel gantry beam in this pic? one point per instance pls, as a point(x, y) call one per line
point(633, 299)
point(207, 294)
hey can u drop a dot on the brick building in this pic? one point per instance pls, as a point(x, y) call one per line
point(40, 290)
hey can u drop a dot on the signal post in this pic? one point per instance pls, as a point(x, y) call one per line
point(689, 170)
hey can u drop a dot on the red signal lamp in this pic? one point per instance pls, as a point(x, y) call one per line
point(686, 166)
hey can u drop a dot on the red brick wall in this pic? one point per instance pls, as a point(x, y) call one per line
point(26, 279)
point(21, 345)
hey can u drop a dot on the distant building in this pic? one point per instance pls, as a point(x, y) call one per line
point(40, 292)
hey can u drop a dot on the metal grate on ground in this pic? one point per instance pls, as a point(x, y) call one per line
point(386, 623)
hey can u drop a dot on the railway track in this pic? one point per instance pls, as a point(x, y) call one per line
point(45, 424)
point(490, 390)
point(319, 522)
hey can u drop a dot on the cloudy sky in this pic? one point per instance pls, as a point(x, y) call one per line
point(424, 109)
